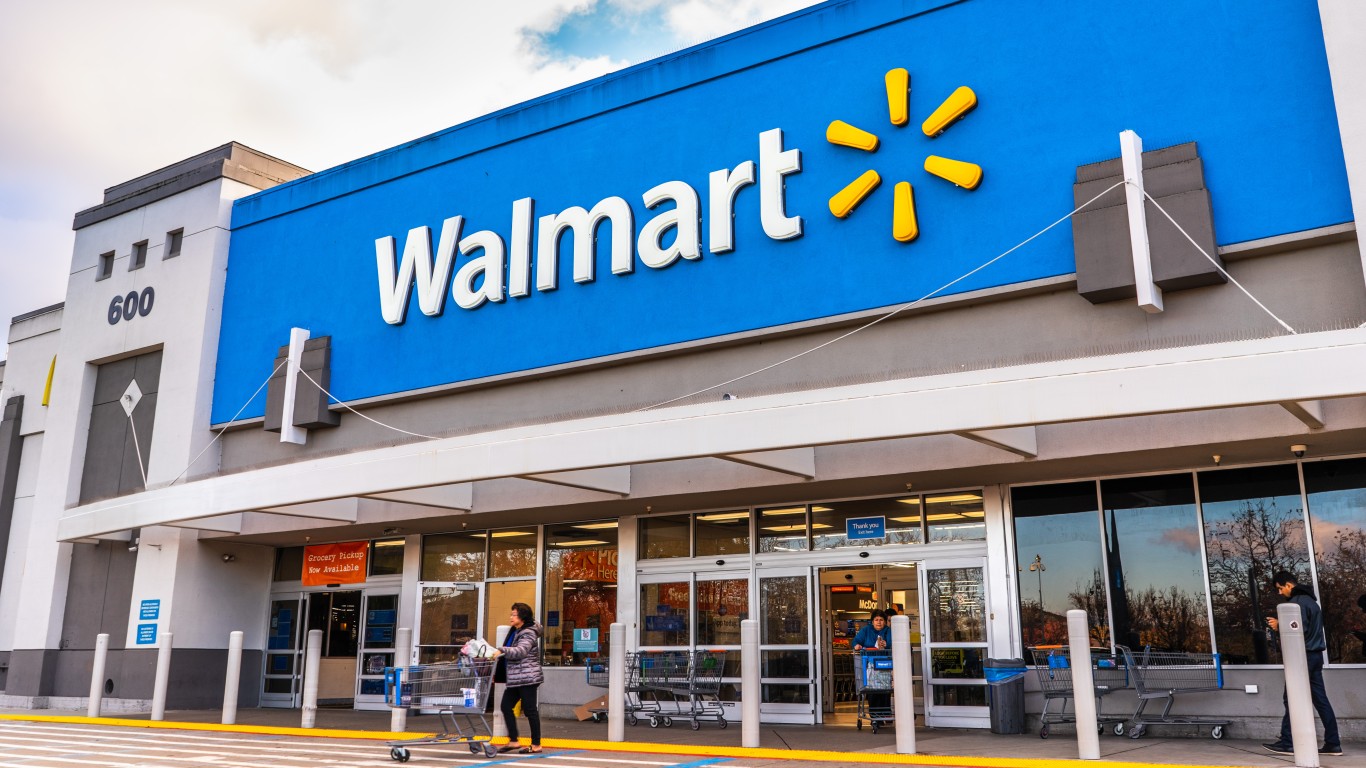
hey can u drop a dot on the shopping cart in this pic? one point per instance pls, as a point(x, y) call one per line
point(661, 674)
point(458, 688)
point(1053, 664)
point(1164, 674)
point(873, 686)
point(701, 689)
point(600, 677)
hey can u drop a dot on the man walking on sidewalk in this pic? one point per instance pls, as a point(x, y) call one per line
point(1315, 645)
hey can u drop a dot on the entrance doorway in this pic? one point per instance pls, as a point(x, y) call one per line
point(848, 596)
point(338, 616)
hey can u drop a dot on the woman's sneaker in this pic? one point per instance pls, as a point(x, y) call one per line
point(1279, 749)
point(1327, 750)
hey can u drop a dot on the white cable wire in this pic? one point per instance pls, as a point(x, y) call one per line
point(334, 399)
point(225, 429)
point(138, 448)
point(1216, 264)
point(889, 315)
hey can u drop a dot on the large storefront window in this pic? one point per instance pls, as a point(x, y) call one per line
point(1337, 509)
point(1254, 527)
point(955, 517)
point(1156, 573)
point(580, 591)
point(512, 553)
point(1058, 556)
point(783, 529)
point(664, 536)
point(453, 557)
point(721, 533)
point(829, 529)
point(386, 557)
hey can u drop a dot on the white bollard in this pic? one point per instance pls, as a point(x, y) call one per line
point(616, 683)
point(751, 691)
point(403, 648)
point(1298, 700)
point(903, 685)
point(500, 728)
point(232, 678)
point(1083, 684)
point(313, 658)
point(163, 675)
point(97, 675)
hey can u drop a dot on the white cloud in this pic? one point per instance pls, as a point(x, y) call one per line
point(93, 94)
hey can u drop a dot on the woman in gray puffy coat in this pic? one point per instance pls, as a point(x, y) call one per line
point(521, 652)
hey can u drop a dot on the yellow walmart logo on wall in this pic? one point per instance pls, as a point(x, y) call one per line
point(905, 227)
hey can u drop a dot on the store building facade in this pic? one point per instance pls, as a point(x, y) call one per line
point(612, 353)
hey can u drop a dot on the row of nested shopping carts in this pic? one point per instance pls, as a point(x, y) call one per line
point(1151, 674)
point(663, 685)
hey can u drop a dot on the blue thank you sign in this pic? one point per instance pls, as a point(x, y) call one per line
point(866, 527)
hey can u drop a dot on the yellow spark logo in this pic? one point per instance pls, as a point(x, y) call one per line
point(967, 175)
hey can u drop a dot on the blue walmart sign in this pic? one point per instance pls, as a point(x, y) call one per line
point(699, 195)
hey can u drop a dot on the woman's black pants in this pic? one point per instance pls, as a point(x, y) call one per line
point(527, 695)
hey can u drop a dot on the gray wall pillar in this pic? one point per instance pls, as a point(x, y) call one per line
point(11, 444)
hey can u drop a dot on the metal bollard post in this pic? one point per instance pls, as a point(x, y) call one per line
point(163, 675)
point(500, 728)
point(233, 678)
point(903, 686)
point(750, 685)
point(1298, 699)
point(616, 683)
point(97, 675)
point(313, 658)
point(1083, 684)
point(403, 649)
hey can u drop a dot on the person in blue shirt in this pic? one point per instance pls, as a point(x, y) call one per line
point(875, 635)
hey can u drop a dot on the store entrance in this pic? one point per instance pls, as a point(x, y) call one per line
point(848, 596)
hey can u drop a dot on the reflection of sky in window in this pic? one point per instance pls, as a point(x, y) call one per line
point(1159, 547)
point(1334, 511)
point(1069, 545)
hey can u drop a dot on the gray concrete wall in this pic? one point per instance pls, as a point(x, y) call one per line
point(197, 676)
point(101, 584)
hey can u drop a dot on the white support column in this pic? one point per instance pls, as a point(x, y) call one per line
point(97, 675)
point(903, 698)
point(616, 683)
point(403, 648)
point(313, 657)
point(1131, 154)
point(750, 685)
point(163, 675)
point(1083, 684)
point(1298, 700)
point(500, 728)
point(288, 432)
point(233, 678)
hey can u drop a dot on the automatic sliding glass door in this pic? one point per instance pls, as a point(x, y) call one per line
point(787, 664)
point(954, 606)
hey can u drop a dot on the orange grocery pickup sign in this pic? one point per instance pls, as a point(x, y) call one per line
point(342, 563)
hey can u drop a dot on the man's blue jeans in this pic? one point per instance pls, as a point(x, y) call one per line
point(1321, 705)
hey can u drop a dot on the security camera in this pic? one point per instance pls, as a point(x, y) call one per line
point(1299, 450)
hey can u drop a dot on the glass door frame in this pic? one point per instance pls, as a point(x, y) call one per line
point(373, 701)
point(947, 716)
point(797, 713)
point(888, 582)
point(476, 631)
point(294, 699)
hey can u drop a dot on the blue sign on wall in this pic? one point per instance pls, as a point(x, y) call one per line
point(305, 253)
point(866, 527)
point(585, 641)
point(147, 634)
point(150, 610)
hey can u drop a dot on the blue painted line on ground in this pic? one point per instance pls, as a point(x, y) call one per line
point(708, 761)
point(536, 756)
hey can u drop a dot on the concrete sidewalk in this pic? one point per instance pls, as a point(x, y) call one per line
point(980, 747)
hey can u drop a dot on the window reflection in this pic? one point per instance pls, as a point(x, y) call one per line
point(783, 529)
point(664, 536)
point(1254, 526)
point(782, 599)
point(512, 552)
point(580, 590)
point(956, 606)
point(722, 533)
point(1337, 509)
point(664, 613)
point(1155, 570)
point(453, 557)
point(721, 605)
point(1058, 556)
point(955, 517)
point(901, 522)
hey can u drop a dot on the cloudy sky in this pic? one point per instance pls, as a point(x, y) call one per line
point(95, 93)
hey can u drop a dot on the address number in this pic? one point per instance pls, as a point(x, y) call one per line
point(133, 305)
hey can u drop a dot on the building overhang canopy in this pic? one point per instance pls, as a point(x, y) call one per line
point(994, 406)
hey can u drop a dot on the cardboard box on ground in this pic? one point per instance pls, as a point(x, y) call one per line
point(586, 711)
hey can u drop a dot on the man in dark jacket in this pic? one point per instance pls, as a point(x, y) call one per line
point(1315, 644)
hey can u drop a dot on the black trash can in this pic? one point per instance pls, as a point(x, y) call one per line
point(1005, 695)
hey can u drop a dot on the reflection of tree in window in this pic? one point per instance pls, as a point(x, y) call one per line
point(1254, 526)
point(1155, 573)
point(1337, 511)
point(1060, 526)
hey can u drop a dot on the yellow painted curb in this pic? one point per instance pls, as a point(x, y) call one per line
point(878, 758)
